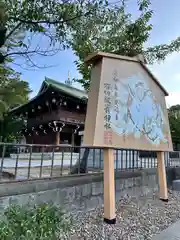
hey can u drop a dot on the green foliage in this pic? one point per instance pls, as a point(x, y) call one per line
point(2, 14)
point(174, 122)
point(10, 128)
point(13, 91)
point(40, 223)
point(85, 26)
point(111, 29)
point(49, 18)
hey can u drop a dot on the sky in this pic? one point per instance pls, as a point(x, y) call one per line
point(166, 27)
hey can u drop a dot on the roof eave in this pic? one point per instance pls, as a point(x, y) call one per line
point(26, 104)
point(98, 55)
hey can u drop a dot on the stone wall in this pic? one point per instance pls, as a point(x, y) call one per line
point(76, 193)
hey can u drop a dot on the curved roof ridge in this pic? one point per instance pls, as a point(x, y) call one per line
point(63, 84)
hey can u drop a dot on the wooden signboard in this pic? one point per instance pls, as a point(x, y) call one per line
point(126, 106)
point(126, 109)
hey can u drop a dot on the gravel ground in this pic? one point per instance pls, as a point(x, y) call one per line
point(137, 218)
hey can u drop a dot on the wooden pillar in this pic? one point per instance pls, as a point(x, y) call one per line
point(57, 138)
point(163, 192)
point(109, 187)
point(72, 139)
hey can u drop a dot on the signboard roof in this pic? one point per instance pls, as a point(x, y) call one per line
point(98, 55)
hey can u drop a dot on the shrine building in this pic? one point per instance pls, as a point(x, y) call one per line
point(56, 115)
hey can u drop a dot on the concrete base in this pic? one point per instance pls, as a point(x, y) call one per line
point(176, 185)
point(164, 200)
point(110, 221)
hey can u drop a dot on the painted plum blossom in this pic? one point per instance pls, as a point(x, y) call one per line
point(140, 113)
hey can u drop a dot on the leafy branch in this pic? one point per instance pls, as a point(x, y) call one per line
point(48, 18)
point(112, 30)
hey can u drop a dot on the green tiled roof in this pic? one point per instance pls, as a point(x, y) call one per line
point(75, 92)
point(71, 91)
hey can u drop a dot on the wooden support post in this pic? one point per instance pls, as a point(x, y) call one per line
point(57, 138)
point(109, 187)
point(163, 192)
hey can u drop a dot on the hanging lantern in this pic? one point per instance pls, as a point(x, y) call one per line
point(61, 128)
point(65, 103)
point(52, 92)
point(77, 107)
point(60, 101)
point(53, 100)
point(39, 107)
point(77, 127)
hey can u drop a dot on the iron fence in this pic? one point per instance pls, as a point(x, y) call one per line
point(22, 162)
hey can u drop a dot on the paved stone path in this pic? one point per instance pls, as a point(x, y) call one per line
point(171, 233)
point(11, 163)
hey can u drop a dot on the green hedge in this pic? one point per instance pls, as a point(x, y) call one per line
point(43, 222)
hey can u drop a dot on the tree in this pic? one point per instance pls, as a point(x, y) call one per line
point(112, 30)
point(174, 122)
point(13, 92)
point(10, 129)
point(47, 20)
point(2, 30)
point(82, 166)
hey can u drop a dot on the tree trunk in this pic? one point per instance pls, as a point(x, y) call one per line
point(82, 167)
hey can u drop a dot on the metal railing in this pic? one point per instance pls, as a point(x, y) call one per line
point(24, 162)
point(174, 159)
